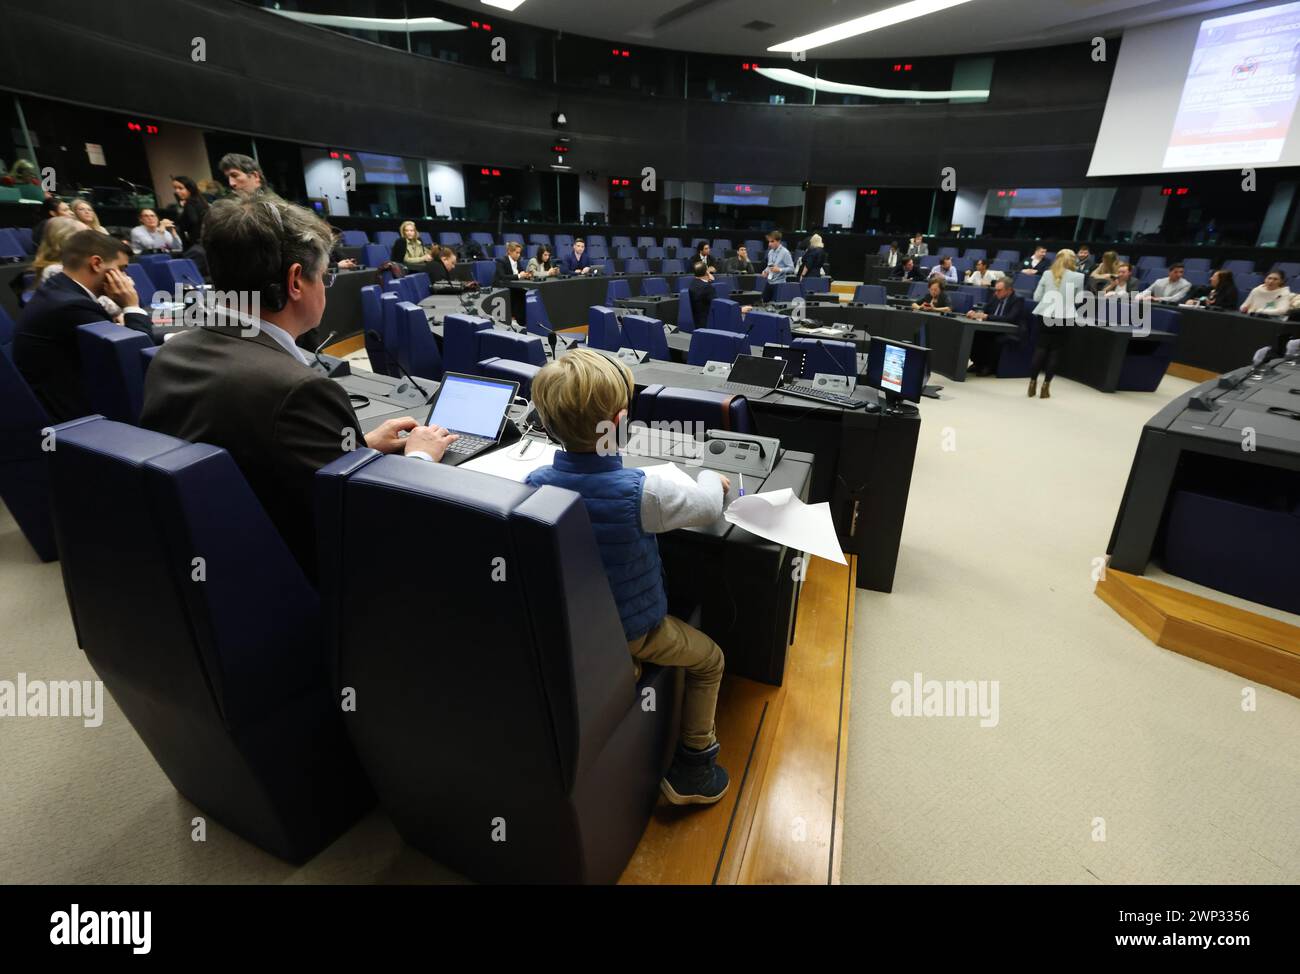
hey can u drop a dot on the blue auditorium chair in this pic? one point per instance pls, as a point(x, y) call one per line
point(375, 255)
point(1015, 360)
point(111, 371)
point(145, 288)
point(386, 239)
point(422, 356)
point(786, 291)
point(484, 240)
point(1246, 282)
point(603, 330)
point(461, 336)
point(540, 239)
point(757, 247)
point(596, 240)
point(536, 320)
point(535, 719)
point(828, 356)
point(636, 266)
point(224, 679)
point(672, 266)
point(155, 265)
point(645, 241)
point(373, 323)
point(767, 326)
point(869, 294)
point(1011, 256)
point(419, 286)
point(975, 253)
point(1203, 264)
point(11, 246)
point(1025, 284)
point(1198, 277)
point(720, 248)
point(564, 240)
point(392, 335)
point(685, 314)
point(511, 345)
point(425, 238)
point(709, 407)
point(948, 252)
point(961, 301)
point(917, 289)
point(672, 242)
point(713, 345)
point(182, 271)
point(615, 290)
point(1289, 269)
point(651, 286)
point(7, 329)
point(626, 253)
point(620, 241)
point(724, 285)
point(654, 253)
point(504, 368)
point(646, 335)
point(24, 479)
point(485, 272)
point(354, 238)
point(724, 315)
point(510, 236)
point(815, 285)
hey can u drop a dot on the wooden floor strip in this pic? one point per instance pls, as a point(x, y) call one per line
point(1253, 646)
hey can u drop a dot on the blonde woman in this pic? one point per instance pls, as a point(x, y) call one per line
point(85, 214)
point(1105, 272)
point(1059, 291)
point(814, 258)
point(408, 248)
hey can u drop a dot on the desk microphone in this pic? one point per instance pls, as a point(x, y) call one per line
point(553, 338)
point(393, 358)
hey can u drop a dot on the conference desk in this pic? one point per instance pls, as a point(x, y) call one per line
point(567, 299)
point(1219, 341)
point(1095, 355)
point(342, 316)
point(745, 588)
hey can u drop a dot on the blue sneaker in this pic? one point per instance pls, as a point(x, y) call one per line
point(695, 777)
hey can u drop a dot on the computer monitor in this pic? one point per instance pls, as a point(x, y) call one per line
point(472, 405)
point(794, 358)
point(897, 369)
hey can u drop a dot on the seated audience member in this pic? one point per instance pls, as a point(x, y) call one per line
point(893, 258)
point(918, 247)
point(1123, 282)
point(1037, 262)
point(49, 255)
point(408, 248)
point(1104, 272)
point(814, 258)
point(154, 235)
point(1004, 305)
point(1173, 288)
point(944, 270)
point(981, 276)
point(45, 342)
point(705, 253)
point(1223, 294)
point(740, 264)
point(244, 385)
point(936, 300)
point(701, 292)
point(243, 174)
point(1086, 262)
point(1272, 298)
point(337, 260)
point(511, 266)
point(51, 207)
point(542, 265)
point(779, 263)
point(578, 262)
point(579, 398)
point(908, 271)
point(210, 190)
point(441, 278)
point(193, 208)
point(85, 214)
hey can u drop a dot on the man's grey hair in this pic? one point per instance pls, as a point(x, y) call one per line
point(251, 242)
point(237, 160)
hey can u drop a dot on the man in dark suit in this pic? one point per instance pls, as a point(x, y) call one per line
point(45, 342)
point(1084, 262)
point(244, 385)
point(1005, 305)
point(701, 292)
point(578, 262)
point(740, 264)
point(442, 279)
point(511, 268)
point(908, 271)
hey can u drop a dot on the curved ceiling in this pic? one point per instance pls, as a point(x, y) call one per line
point(750, 27)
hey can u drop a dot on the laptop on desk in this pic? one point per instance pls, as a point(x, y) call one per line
point(753, 376)
point(476, 409)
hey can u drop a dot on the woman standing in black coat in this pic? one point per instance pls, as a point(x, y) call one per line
point(192, 209)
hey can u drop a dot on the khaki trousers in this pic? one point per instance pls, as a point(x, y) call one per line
point(674, 643)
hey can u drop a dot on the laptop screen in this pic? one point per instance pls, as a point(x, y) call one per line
point(754, 370)
point(471, 405)
point(794, 358)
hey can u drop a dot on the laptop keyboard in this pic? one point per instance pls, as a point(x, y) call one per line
point(744, 389)
point(469, 444)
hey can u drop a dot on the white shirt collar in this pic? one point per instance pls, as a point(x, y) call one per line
point(283, 338)
point(93, 296)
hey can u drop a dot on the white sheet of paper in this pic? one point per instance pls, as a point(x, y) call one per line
point(507, 463)
point(781, 517)
point(671, 472)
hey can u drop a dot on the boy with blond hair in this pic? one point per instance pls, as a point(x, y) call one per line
point(582, 399)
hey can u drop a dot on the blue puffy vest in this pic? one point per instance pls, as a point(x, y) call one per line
point(612, 496)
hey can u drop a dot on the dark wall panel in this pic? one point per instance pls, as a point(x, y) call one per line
point(277, 78)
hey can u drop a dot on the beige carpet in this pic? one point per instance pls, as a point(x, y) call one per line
point(994, 584)
point(1098, 728)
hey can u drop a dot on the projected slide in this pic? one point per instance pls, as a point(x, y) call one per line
point(1036, 202)
point(1240, 94)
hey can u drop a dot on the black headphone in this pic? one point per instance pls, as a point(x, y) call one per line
point(535, 413)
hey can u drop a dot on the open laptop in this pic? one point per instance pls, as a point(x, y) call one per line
point(476, 409)
point(794, 358)
point(753, 376)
